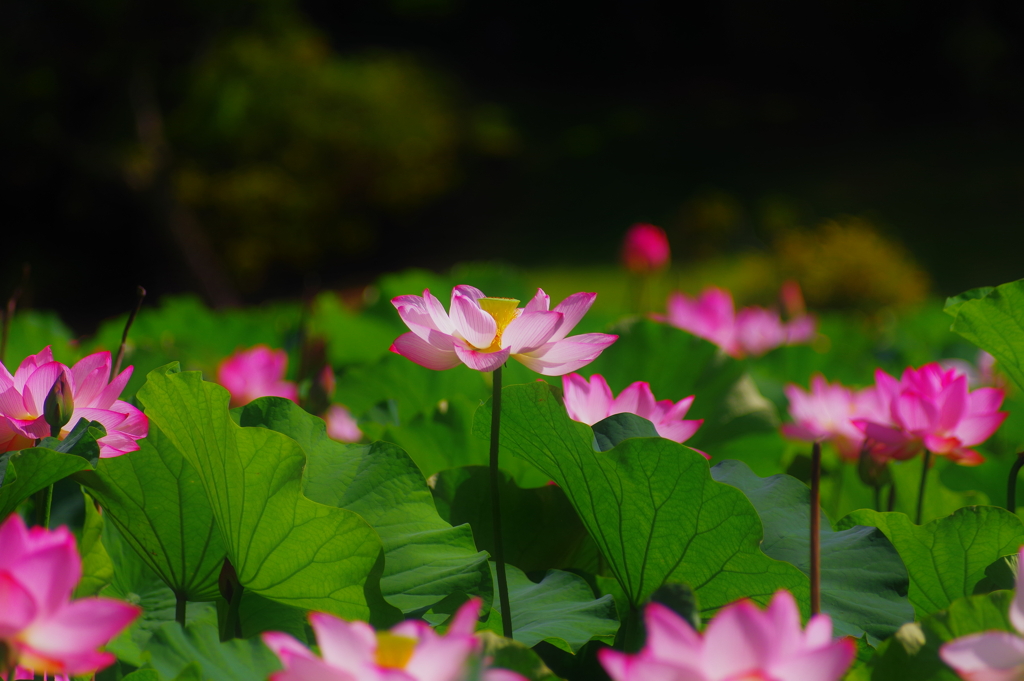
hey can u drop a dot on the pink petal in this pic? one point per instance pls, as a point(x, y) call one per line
point(13, 406)
point(344, 645)
point(669, 638)
point(414, 348)
point(475, 325)
point(468, 291)
point(974, 430)
point(541, 302)
point(530, 330)
point(914, 412)
point(49, 572)
point(784, 617)
point(442, 322)
point(985, 400)
point(29, 365)
point(72, 664)
point(110, 419)
point(80, 626)
point(416, 316)
point(341, 425)
point(739, 639)
point(818, 632)
point(678, 431)
point(481, 361)
point(90, 374)
point(464, 621)
point(17, 606)
point(285, 646)
point(572, 308)
point(561, 357)
point(586, 402)
point(952, 403)
point(758, 330)
point(827, 663)
point(989, 656)
point(38, 386)
point(315, 669)
point(112, 392)
point(441, 658)
point(636, 398)
point(801, 330)
point(678, 410)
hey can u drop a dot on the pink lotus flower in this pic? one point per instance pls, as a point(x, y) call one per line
point(753, 331)
point(41, 629)
point(645, 249)
point(22, 397)
point(257, 372)
point(742, 643)
point(591, 402)
point(410, 651)
point(483, 332)
point(828, 413)
point(991, 655)
point(341, 426)
point(931, 407)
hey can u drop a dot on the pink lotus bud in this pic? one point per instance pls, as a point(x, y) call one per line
point(645, 249)
point(59, 405)
point(792, 299)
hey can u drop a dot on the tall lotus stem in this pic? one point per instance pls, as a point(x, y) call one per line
point(141, 295)
point(816, 529)
point(499, 547)
point(1011, 484)
point(920, 489)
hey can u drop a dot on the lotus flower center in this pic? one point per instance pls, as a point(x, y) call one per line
point(504, 310)
point(393, 651)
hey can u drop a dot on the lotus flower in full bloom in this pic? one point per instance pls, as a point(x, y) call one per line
point(22, 398)
point(827, 413)
point(931, 407)
point(752, 331)
point(991, 655)
point(483, 332)
point(741, 643)
point(590, 402)
point(645, 249)
point(256, 372)
point(41, 629)
point(410, 651)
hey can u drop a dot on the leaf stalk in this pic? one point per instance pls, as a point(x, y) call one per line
point(499, 547)
point(816, 528)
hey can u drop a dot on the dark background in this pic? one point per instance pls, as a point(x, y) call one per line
point(251, 150)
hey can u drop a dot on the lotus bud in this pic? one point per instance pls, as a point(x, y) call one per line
point(645, 249)
point(59, 405)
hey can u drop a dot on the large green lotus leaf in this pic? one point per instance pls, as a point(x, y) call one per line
point(913, 654)
point(173, 648)
point(25, 472)
point(97, 568)
point(426, 559)
point(135, 582)
point(540, 527)
point(560, 609)
point(739, 423)
point(282, 545)
point(946, 558)
point(994, 321)
point(863, 581)
point(649, 503)
point(157, 501)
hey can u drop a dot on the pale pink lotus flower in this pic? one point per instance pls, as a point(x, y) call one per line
point(22, 397)
point(991, 655)
point(829, 412)
point(980, 374)
point(592, 402)
point(409, 651)
point(41, 629)
point(256, 372)
point(742, 643)
point(645, 249)
point(341, 425)
point(752, 331)
point(931, 407)
point(483, 332)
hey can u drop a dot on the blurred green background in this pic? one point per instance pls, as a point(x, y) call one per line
point(259, 149)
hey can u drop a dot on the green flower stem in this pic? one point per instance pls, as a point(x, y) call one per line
point(43, 500)
point(1011, 484)
point(499, 547)
point(816, 529)
point(920, 490)
point(140, 296)
point(179, 608)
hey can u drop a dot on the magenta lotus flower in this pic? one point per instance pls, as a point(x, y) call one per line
point(591, 402)
point(827, 413)
point(41, 629)
point(741, 643)
point(991, 655)
point(752, 331)
point(931, 407)
point(341, 425)
point(257, 372)
point(483, 332)
point(645, 249)
point(410, 651)
point(22, 397)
